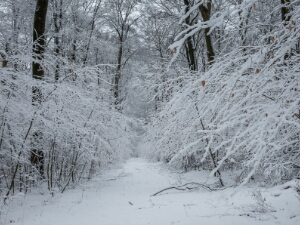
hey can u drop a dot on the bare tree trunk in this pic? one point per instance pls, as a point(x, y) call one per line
point(73, 57)
point(37, 155)
point(190, 48)
point(118, 73)
point(244, 28)
point(4, 60)
point(285, 11)
point(96, 9)
point(15, 34)
point(57, 20)
point(205, 12)
point(39, 38)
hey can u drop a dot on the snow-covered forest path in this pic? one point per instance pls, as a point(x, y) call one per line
point(123, 197)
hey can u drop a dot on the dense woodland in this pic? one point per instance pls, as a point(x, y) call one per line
point(197, 84)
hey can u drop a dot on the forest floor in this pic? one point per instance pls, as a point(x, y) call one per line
point(122, 196)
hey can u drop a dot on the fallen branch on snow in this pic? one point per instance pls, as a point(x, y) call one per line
point(187, 186)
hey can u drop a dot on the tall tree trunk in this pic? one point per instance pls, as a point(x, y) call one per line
point(57, 20)
point(190, 48)
point(96, 9)
point(205, 13)
point(74, 41)
point(39, 38)
point(37, 155)
point(118, 74)
point(244, 27)
point(15, 33)
point(285, 10)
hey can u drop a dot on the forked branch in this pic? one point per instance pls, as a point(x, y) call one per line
point(187, 186)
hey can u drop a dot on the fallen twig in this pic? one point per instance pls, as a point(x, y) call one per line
point(187, 186)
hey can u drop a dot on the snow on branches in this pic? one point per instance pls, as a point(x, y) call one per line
point(242, 112)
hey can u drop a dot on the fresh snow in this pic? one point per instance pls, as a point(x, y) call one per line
point(123, 196)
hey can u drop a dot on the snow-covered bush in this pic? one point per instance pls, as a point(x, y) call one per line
point(261, 205)
point(60, 129)
point(243, 112)
point(79, 128)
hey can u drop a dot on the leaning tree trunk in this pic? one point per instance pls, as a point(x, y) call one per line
point(37, 155)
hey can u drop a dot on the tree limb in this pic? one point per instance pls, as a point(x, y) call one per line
point(184, 187)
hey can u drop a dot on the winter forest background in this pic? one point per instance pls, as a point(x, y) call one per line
point(197, 84)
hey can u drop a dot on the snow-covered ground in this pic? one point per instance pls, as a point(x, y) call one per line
point(123, 196)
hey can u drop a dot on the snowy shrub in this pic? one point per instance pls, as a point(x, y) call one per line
point(242, 113)
point(79, 129)
point(261, 205)
point(61, 127)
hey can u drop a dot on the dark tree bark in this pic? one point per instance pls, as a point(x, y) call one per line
point(4, 60)
point(39, 38)
point(285, 10)
point(244, 27)
point(74, 43)
point(205, 11)
point(190, 48)
point(37, 156)
point(15, 34)
point(93, 26)
point(57, 20)
point(118, 72)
